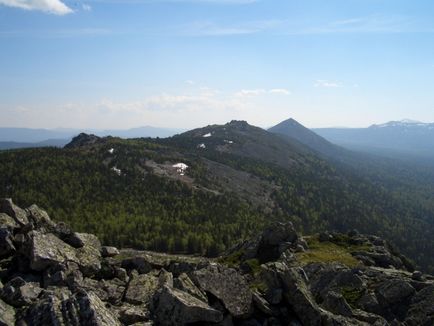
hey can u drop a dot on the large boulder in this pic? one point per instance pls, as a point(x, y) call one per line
point(47, 250)
point(6, 243)
point(130, 314)
point(227, 285)
point(395, 291)
point(298, 295)
point(18, 292)
point(275, 240)
point(80, 309)
point(175, 307)
point(184, 283)
point(89, 256)
point(8, 222)
point(141, 288)
point(139, 263)
point(18, 214)
point(40, 219)
point(421, 311)
point(336, 303)
point(66, 234)
point(65, 274)
point(109, 251)
point(7, 314)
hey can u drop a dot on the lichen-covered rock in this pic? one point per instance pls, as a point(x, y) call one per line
point(184, 283)
point(421, 310)
point(89, 256)
point(7, 314)
point(175, 307)
point(55, 276)
point(336, 303)
point(40, 219)
point(109, 251)
point(66, 274)
point(276, 239)
point(64, 232)
point(139, 263)
point(129, 314)
point(80, 309)
point(8, 222)
point(6, 243)
point(18, 292)
point(141, 288)
point(18, 214)
point(227, 285)
point(395, 291)
point(298, 295)
point(47, 250)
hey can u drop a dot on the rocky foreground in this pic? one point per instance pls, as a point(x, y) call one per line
point(51, 275)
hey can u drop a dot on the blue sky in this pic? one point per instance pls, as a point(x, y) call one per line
point(180, 63)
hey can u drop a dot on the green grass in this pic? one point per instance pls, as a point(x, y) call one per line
point(327, 252)
point(233, 260)
point(351, 295)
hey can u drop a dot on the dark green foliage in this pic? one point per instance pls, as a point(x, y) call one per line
point(137, 210)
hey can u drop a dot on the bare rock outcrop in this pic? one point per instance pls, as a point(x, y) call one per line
point(52, 275)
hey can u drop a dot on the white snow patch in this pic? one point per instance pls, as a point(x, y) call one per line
point(207, 135)
point(111, 150)
point(180, 168)
point(228, 141)
point(116, 170)
point(201, 146)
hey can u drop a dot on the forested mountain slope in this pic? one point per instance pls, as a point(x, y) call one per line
point(204, 190)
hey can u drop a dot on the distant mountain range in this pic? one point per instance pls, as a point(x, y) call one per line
point(11, 138)
point(203, 190)
point(391, 139)
point(405, 136)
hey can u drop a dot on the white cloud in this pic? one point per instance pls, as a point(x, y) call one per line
point(261, 91)
point(197, 107)
point(281, 91)
point(86, 7)
point(250, 92)
point(327, 84)
point(209, 28)
point(56, 7)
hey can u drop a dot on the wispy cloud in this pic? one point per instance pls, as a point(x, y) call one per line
point(56, 7)
point(193, 108)
point(208, 28)
point(281, 91)
point(327, 84)
point(250, 92)
point(86, 7)
point(261, 91)
point(389, 24)
point(63, 33)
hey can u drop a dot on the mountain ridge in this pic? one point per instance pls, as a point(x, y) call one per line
point(243, 179)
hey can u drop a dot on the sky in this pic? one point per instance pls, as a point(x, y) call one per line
point(117, 64)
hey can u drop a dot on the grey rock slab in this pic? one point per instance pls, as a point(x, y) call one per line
point(227, 285)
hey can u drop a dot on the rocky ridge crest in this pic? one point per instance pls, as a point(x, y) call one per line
point(51, 275)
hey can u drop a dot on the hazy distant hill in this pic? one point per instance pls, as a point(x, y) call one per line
point(45, 143)
point(294, 130)
point(27, 137)
point(406, 136)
